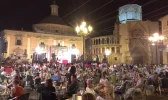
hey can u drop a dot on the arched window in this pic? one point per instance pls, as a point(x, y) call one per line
point(18, 40)
point(103, 41)
point(107, 40)
point(99, 41)
point(94, 51)
point(97, 50)
point(118, 40)
point(118, 49)
point(113, 49)
point(103, 50)
point(112, 40)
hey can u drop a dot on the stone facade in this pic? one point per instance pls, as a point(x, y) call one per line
point(51, 31)
point(128, 44)
point(101, 44)
point(30, 40)
point(135, 46)
point(164, 31)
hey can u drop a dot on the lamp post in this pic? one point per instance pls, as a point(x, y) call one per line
point(155, 39)
point(83, 30)
point(107, 53)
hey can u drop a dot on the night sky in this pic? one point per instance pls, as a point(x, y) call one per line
point(17, 14)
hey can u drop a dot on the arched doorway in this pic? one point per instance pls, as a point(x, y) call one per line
point(139, 55)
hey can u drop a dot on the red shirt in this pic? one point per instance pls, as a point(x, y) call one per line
point(19, 91)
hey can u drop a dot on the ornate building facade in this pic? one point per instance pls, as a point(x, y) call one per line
point(164, 32)
point(103, 43)
point(51, 31)
point(129, 42)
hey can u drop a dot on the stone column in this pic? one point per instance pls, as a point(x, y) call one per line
point(28, 47)
point(115, 49)
point(8, 48)
point(165, 57)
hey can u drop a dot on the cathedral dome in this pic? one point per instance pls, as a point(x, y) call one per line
point(54, 20)
point(53, 24)
point(130, 12)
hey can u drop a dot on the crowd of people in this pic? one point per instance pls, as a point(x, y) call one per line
point(56, 81)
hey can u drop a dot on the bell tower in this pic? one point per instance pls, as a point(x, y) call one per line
point(54, 9)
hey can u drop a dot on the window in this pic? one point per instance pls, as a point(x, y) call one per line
point(97, 50)
point(118, 40)
point(59, 44)
point(56, 31)
point(115, 58)
point(118, 49)
point(18, 40)
point(112, 40)
point(112, 49)
point(103, 50)
point(99, 41)
point(103, 41)
point(107, 40)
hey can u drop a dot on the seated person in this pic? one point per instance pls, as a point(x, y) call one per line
point(48, 91)
point(16, 90)
point(138, 86)
point(73, 86)
point(57, 78)
point(95, 78)
point(89, 88)
point(88, 96)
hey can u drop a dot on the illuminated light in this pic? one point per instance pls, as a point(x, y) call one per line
point(77, 29)
point(90, 28)
point(74, 51)
point(153, 43)
point(38, 50)
point(155, 39)
point(82, 27)
point(156, 35)
point(85, 30)
point(107, 52)
point(161, 37)
point(83, 24)
point(150, 38)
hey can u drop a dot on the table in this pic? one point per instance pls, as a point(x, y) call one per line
point(4, 97)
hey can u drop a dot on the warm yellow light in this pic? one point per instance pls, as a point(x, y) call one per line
point(156, 35)
point(77, 29)
point(155, 39)
point(107, 52)
point(161, 37)
point(90, 28)
point(150, 38)
point(83, 24)
point(82, 27)
point(85, 30)
point(153, 43)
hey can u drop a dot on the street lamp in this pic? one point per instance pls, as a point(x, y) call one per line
point(155, 39)
point(83, 30)
point(107, 53)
